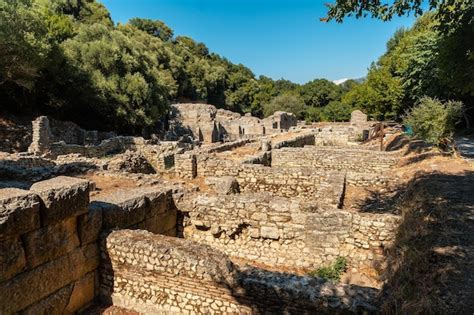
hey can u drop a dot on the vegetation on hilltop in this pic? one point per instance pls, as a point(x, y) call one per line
point(68, 59)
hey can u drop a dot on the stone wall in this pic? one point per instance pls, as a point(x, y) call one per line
point(154, 274)
point(47, 263)
point(363, 166)
point(148, 209)
point(160, 156)
point(280, 181)
point(295, 142)
point(291, 233)
point(49, 234)
point(71, 133)
point(208, 124)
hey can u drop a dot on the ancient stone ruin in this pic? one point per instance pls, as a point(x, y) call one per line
point(97, 223)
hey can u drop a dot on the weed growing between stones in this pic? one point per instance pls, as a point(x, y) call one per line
point(332, 272)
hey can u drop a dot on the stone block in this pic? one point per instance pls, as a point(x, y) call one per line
point(54, 304)
point(159, 201)
point(31, 286)
point(89, 225)
point(12, 258)
point(225, 185)
point(270, 232)
point(122, 208)
point(63, 197)
point(162, 223)
point(19, 212)
point(82, 294)
point(50, 242)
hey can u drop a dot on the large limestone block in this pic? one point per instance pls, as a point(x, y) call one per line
point(83, 293)
point(89, 225)
point(30, 287)
point(159, 201)
point(63, 197)
point(162, 222)
point(50, 242)
point(12, 258)
point(19, 212)
point(122, 208)
point(55, 304)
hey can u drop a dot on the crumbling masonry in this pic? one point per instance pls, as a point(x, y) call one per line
point(219, 228)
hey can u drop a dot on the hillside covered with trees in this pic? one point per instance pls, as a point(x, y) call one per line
point(67, 58)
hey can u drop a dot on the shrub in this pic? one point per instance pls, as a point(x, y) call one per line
point(332, 272)
point(434, 121)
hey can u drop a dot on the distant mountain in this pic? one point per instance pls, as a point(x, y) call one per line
point(340, 81)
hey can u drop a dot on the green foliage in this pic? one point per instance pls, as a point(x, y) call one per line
point(153, 27)
point(68, 59)
point(24, 43)
point(337, 111)
point(332, 272)
point(285, 102)
point(387, 9)
point(379, 96)
point(433, 120)
point(124, 71)
point(433, 58)
point(319, 92)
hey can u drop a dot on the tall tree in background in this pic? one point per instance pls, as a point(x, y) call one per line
point(434, 58)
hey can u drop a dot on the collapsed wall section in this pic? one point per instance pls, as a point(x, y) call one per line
point(157, 274)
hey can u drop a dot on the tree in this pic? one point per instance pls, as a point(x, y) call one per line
point(379, 96)
point(385, 11)
point(153, 27)
point(285, 102)
point(336, 111)
point(319, 92)
point(124, 71)
point(24, 44)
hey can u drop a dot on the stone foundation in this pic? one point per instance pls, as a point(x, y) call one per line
point(155, 274)
point(45, 266)
point(282, 232)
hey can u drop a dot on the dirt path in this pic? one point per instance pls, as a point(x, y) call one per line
point(431, 265)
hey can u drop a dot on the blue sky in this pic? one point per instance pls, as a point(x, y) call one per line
point(276, 38)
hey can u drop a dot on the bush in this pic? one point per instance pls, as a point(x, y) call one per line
point(434, 121)
point(332, 272)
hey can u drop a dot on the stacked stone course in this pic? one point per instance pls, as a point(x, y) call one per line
point(49, 235)
point(45, 266)
point(363, 167)
point(157, 274)
point(276, 230)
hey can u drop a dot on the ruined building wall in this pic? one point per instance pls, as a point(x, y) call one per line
point(49, 234)
point(154, 274)
point(327, 158)
point(286, 182)
point(160, 156)
point(284, 232)
point(48, 258)
point(295, 141)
